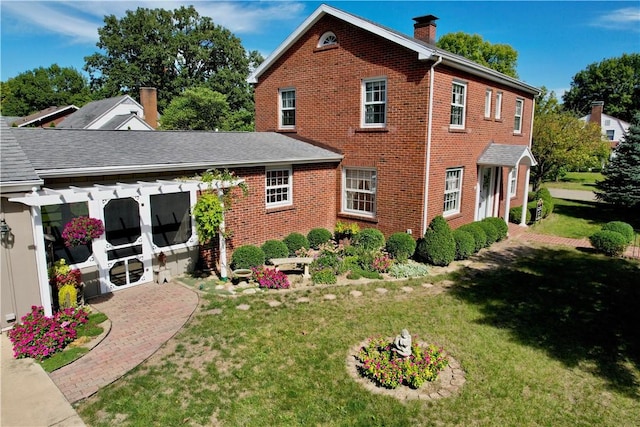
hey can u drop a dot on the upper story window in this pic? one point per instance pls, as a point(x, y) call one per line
point(513, 182)
point(374, 102)
point(458, 104)
point(359, 191)
point(487, 103)
point(452, 191)
point(517, 122)
point(278, 187)
point(611, 134)
point(287, 108)
point(498, 115)
point(327, 39)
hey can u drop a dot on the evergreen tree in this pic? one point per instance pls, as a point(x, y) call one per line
point(621, 184)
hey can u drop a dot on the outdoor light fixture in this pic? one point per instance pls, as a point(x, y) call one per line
point(4, 229)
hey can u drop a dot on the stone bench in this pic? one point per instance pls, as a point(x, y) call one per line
point(304, 261)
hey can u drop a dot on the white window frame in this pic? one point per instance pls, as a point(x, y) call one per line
point(611, 134)
point(274, 188)
point(517, 118)
point(458, 101)
point(366, 103)
point(513, 182)
point(327, 39)
point(452, 203)
point(282, 108)
point(487, 103)
point(371, 190)
point(498, 115)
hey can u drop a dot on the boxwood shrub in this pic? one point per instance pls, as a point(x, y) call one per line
point(274, 249)
point(318, 236)
point(621, 227)
point(438, 246)
point(501, 227)
point(515, 215)
point(547, 206)
point(295, 241)
point(490, 231)
point(247, 256)
point(465, 244)
point(370, 239)
point(401, 246)
point(609, 242)
point(478, 234)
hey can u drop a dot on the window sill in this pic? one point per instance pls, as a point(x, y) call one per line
point(357, 217)
point(488, 119)
point(457, 130)
point(274, 209)
point(328, 47)
point(518, 134)
point(287, 130)
point(371, 130)
point(452, 216)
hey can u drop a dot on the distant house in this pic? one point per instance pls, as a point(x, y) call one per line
point(118, 113)
point(48, 117)
point(612, 128)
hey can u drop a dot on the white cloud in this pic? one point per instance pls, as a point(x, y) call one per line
point(627, 18)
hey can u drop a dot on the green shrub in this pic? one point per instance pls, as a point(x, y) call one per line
point(408, 269)
point(247, 256)
point(479, 236)
point(515, 215)
point(323, 277)
point(359, 273)
point(621, 227)
point(465, 244)
point(318, 236)
point(349, 263)
point(326, 261)
point(501, 227)
point(401, 246)
point(370, 239)
point(547, 206)
point(490, 231)
point(438, 246)
point(609, 242)
point(295, 241)
point(274, 249)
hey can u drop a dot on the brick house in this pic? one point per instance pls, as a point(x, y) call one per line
point(423, 132)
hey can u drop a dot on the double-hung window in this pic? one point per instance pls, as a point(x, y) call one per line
point(452, 191)
point(498, 115)
point(374, 102)
point(517, 122)
point(487, 103)
point(359, 191)
point(458, 105)
point(287, 108)
point(513, 182)
point(278, 187)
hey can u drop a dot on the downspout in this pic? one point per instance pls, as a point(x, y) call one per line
point(425, 214)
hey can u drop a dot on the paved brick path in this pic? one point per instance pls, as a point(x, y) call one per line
point(142, 319)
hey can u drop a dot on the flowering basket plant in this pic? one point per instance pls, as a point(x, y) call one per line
point(81, 230)
point(271, 278)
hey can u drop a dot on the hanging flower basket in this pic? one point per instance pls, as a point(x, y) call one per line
point(81, 230)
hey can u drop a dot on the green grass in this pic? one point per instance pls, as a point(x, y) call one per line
point(576, 181)
point(540, 345)
point(71, 353)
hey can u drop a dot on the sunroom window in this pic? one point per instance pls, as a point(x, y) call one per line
point(170, 218)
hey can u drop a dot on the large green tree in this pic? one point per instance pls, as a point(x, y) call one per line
point(197, 108)
point(500, 57)
point(561, 141)
point(621, 184)
point(41, 88)
point(171, 51)
point(616, 81)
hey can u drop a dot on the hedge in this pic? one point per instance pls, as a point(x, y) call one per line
point(247, 256)
point(274, 249)
point(370, 239)
point(621, 227)
point(295, 241)
point(318, 236)
point(478, 234)
point(609, 242)
point(490, 231)
point(465, 244)
point(501, 227)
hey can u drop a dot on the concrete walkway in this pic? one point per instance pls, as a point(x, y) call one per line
point(582, 195)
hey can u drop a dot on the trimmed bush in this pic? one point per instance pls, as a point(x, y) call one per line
point(490, 231)
point(295, 241)
point(359, 273)
point(323, 277)
point(621, 227)
point(515, 215)
point(438, 246)
point(318, 236)
point(501, 227)
point(246, 257)
point(370, 239)
point(547, 206)
point(465, 244)
point(609, 242)
point(274, 249)
point(401, 246)
point(326, 261)
point(478, 234)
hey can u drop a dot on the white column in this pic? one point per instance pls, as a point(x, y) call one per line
point(41, 260)
point(507, 197)
point(223, 242)
point(525, 199)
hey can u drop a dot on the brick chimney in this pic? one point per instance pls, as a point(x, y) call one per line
point(596, 112)
point(425, 28)
point(149, 101)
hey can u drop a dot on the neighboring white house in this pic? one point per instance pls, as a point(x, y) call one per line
point(612, 128)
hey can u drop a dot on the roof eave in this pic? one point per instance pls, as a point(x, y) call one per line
point(19, 186)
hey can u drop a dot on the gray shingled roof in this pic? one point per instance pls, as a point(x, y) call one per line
point(15, 168)
point(506, 155)
point(88, 113)
point(117, 121)
point(62, 152)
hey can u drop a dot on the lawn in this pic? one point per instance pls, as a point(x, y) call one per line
point(540, 345)
point(576, 181)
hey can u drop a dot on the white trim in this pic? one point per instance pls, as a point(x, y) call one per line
point(364, 103)
point(487, 103)
point(373, 190)
point(498, 115)
point(458, 191)
point(518, 130)
point(282, 108)
point(46, 116)
point(455, 103)
point(288, 186)
point(122, 101)
point(41, 261)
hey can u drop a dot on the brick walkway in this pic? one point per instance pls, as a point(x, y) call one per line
point(142, 318)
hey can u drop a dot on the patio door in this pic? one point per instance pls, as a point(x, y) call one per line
point(486, 192)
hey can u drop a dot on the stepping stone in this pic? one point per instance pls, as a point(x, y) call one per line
point(427, 285)
point(303, 299)
point(330, 297)
point(215, 311)
point(407, 289)
point(382, 291)
point(243, 307)
point(355, 294)
point(219, 287)
point(274, 303)
point(447, 282)
point(249, 291)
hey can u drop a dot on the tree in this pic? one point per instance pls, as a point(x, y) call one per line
point(197, 108)
point(621, 184)
point(500, 57)
point(561, 141)
point(171, 51)
point(616, 81)
point(41, 88)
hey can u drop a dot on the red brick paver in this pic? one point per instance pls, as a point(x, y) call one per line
point(142, 319)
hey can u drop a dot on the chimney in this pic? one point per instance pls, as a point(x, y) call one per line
point(149, 101)
point(425, 28)
point(596, 112)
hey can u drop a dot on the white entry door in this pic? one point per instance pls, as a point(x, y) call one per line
point(486, 192)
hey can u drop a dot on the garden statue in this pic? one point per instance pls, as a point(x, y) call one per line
point(402, 344)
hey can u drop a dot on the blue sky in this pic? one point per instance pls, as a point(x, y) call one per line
point(555, 40)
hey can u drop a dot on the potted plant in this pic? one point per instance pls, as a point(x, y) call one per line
point(82, 230)
point(68, 283)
